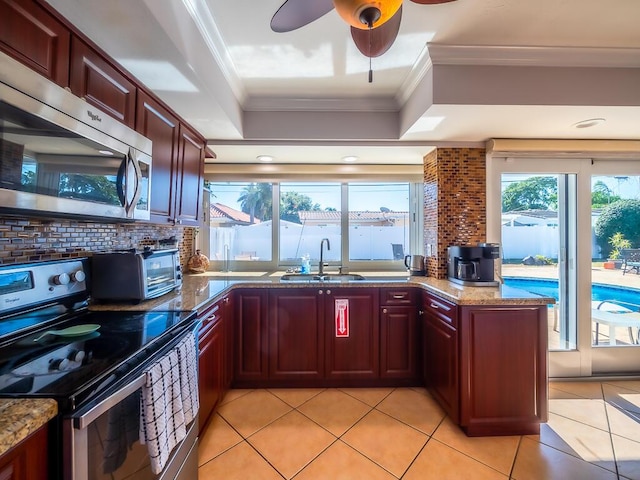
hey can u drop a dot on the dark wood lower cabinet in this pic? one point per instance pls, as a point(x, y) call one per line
point(296, 335)
point(355, 356)
point(27, 460)
point(503, 369)
point(398, 342)
point(441, 353)
point(251, 341)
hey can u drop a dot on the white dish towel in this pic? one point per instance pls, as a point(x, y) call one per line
point(169, 402)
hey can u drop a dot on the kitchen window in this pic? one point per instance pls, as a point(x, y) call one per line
point(369, 225)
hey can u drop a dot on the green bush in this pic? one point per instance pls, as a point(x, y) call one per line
point(620, 217)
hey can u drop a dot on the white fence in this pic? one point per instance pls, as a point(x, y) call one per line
point(254, 242)
point(521, 241)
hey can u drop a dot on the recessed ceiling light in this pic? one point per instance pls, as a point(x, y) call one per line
point(265, 158)
point(105, 152)
point(350, 159)
point(591, 122)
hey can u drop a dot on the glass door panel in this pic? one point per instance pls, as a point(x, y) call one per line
point(615, 307)
point(538, 245)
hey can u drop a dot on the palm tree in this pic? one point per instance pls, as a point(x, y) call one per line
point(255, 199)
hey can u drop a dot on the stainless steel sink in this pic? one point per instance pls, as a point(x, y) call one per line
point(341, 277)
point(299, 277)
point(326, 277)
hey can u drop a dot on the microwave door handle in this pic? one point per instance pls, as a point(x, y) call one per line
point(130, 206)
point(136, 179)
point(120, 179)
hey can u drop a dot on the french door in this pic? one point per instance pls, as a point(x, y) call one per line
point(544, 213)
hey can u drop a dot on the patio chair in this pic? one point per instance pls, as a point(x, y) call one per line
point(622, 316)
point(398, 251)
point(630, 260)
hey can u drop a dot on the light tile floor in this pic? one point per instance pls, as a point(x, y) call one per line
point(308, 434)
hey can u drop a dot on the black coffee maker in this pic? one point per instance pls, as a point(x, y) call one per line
point(474, 266)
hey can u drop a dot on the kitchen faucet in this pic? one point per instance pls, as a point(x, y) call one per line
point(321, 266)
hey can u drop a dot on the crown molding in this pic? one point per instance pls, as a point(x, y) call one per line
point(210, 33)
point(442, 54)
point(286, 104)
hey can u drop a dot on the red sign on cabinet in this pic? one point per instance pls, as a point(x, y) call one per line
point(342, 317)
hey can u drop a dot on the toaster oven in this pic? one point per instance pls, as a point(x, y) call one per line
point(134, 275)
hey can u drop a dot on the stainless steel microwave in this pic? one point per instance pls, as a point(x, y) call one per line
point(59, 155)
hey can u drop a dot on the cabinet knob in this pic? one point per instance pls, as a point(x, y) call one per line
point(434, 306)
point(320, 292)
point(384, 310)
point(328, 292)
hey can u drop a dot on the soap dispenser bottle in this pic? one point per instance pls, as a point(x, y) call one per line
point(306, 264)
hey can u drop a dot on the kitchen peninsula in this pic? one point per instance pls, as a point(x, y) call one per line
point(481, 351)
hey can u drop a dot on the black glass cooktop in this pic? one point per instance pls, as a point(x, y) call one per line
point(84, 353)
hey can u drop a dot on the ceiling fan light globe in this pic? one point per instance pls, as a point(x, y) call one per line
point(351, 10)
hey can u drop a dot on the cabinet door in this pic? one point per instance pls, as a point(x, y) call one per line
point(101, 84)
point(441, 353)
point(227, 319)
point(398, 342)
point(210, 366)
point(28, 459)
point(189, 176)
point(357, 354)
point(296, 334)
point(34, 37)
point(251, 336)
point(503, 369)
point(161, 127)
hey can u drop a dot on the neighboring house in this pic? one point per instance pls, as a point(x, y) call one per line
point(535, 232)
point(530, 217)
point(224, 216)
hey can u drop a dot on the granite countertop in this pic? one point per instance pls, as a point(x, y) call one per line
point(19, 418)
point(199, 290)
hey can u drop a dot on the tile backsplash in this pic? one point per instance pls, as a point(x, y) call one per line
point(36, 239)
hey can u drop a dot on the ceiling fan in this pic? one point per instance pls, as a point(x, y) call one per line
point(374, 23)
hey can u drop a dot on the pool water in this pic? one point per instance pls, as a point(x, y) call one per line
point(599, 292)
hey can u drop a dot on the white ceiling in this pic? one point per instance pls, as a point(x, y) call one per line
point(459, 73)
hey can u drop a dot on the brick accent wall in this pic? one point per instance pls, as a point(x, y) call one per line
point(36, 239)
point(454, 202)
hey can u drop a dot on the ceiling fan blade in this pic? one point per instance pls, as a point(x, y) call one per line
point(294, 14)
point(431, 2)
point(381, 37)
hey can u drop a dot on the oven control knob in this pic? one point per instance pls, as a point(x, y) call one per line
point(76, 356)
point(62, 279)
point(59, 364)
point(78, 276)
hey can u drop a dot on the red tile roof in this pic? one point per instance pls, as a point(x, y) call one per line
point(219, 210)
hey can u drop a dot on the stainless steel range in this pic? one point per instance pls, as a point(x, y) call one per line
point(96, 365)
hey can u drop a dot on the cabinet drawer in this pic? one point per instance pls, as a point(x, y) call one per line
point(209, 319)
point(443, 309)
point(398, 296)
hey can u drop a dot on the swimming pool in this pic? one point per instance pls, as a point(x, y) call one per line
point(599, 291)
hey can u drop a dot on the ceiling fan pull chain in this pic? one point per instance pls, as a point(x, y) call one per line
point(370, 69)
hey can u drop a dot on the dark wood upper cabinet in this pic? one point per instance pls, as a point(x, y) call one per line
point(34, 37)
point(190, 177)
point(158, 124)
point(102, 85)
point(178, 163)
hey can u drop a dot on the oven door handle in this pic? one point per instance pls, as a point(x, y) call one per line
point(89, 417)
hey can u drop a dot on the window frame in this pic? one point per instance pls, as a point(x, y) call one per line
point(415, 206)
